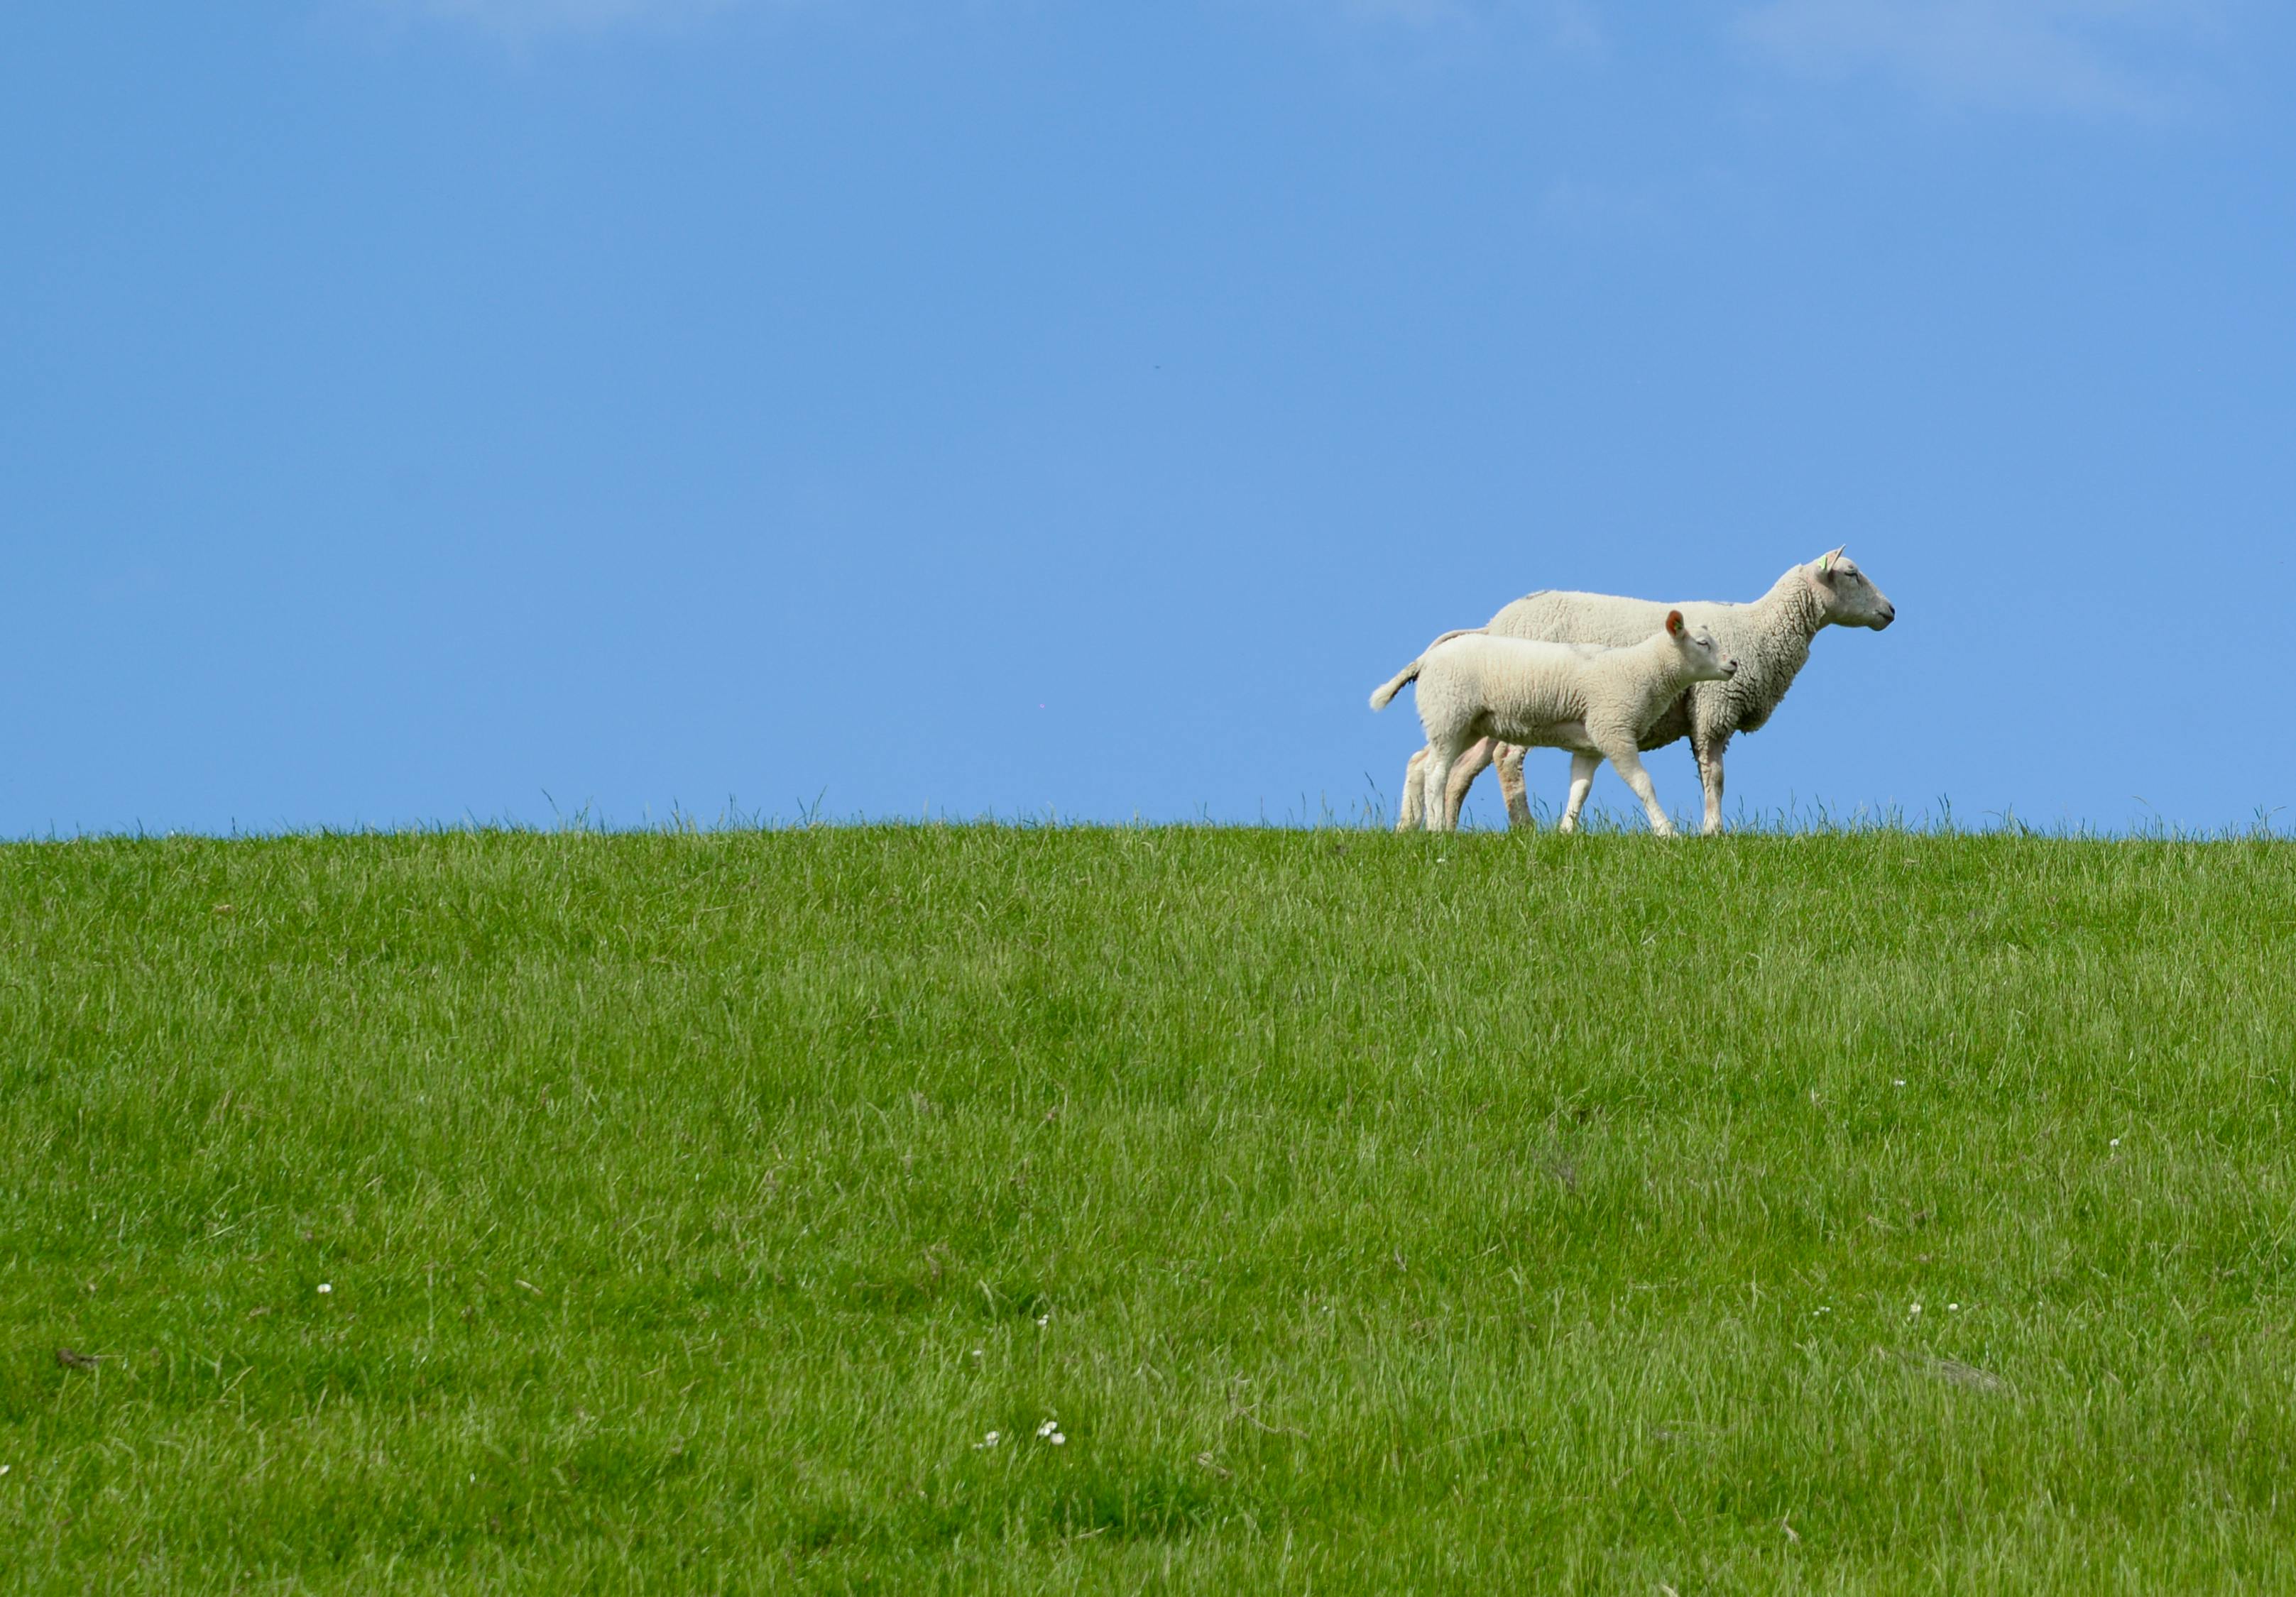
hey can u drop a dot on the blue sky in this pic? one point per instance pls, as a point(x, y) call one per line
point(421, 410)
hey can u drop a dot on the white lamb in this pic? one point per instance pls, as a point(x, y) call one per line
point(1770, 637)
point(1597, 702)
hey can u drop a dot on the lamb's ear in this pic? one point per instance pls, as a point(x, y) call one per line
point(1674, 622)
point(1826, 562)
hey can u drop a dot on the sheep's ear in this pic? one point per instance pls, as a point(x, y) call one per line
point(1826, 562)
point(1674, 622)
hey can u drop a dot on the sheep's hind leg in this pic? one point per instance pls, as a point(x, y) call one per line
point(1440, 757)
point(1518, 797)
point(1582, 779)
point(1407, 812)
point(1470, 765)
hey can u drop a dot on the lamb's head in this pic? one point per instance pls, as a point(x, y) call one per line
point(1848, 595)
point(1699, 651)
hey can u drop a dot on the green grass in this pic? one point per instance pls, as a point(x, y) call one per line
point(1372, 1213)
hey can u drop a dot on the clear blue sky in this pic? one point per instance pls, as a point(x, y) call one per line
point(416, 407)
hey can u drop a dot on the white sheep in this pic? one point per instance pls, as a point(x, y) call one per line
point(1597, 702)
point(1770, 637)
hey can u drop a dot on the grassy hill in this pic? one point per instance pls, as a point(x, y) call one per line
point(1854, 1212)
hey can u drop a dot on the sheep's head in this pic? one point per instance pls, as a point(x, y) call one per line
point(1848, 595)
point(1708, 663)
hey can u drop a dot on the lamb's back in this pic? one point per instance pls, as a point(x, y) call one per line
point(1537, 678)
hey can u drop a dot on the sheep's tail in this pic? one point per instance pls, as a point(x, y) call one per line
point(1393, 685)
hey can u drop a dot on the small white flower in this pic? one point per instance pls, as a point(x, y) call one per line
point(2115, 1141)
point(1048, 1427)
point(5, 1467)
point(326, 1287)
point(1914, 1310)
point(976, 1353)
point(1953, 1308)
point(1057, 1439)
point(1901, 1082)
point(1822, 1308)
point(1044, 1319)
point(990, 1440)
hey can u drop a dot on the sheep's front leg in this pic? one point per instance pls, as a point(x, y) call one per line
point(1628, 759)
point(1518, 797)
point(1407, 815)
point(1710, 777)
point(1582, 779)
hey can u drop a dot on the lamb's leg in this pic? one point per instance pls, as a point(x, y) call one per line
point(1710, 777)
point(1440, 757)
point(1582, 778)
point(1407, 815)
point(1470, 765)
point(1518, 797)
point(1628, 760)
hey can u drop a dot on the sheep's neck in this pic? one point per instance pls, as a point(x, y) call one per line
point(1774, 650)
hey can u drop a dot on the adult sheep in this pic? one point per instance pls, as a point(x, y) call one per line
point(1770, 637)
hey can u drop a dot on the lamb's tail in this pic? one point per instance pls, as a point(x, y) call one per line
point(1394, 684)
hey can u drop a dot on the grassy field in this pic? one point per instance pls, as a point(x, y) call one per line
point(1863, 1212)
